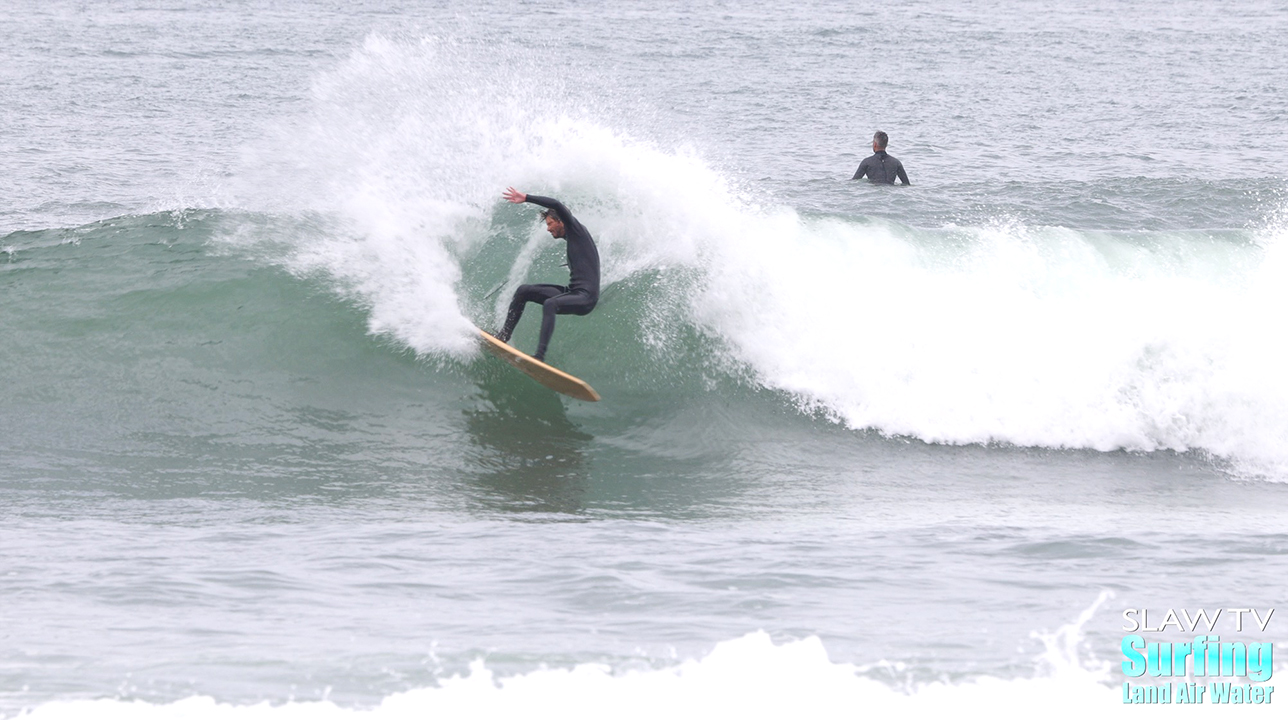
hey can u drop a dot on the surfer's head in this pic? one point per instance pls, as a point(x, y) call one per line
point(879, 141)
point(553, 223)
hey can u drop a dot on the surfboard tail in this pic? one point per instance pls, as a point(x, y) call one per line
point(547, 375)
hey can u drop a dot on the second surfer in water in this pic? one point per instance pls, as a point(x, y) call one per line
point(582, 292)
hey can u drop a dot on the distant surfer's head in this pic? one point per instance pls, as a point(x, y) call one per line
point(553, 223)
point(880, 140)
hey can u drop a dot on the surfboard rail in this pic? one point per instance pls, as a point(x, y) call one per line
point(551, 377)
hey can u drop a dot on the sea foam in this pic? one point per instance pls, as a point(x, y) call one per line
point(749, 677)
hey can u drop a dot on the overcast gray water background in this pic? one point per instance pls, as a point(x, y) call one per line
point(249, 451)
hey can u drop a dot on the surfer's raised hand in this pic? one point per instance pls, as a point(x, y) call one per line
point(514, 196)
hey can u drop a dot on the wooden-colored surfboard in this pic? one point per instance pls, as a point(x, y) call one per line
point(551, 377)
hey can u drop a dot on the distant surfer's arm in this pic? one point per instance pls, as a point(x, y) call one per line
point(863, 170)
point(903, 176)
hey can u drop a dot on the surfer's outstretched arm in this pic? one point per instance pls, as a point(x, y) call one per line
point(514, 196)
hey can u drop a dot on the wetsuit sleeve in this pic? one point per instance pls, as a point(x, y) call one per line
point(903, 176)
point(863, 169)
point(551, 204)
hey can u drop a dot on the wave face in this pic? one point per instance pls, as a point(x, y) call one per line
point(1042, 337)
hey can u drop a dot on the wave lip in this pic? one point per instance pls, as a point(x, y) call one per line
point(1044, 337)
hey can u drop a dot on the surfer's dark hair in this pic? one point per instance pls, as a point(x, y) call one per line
point(882, 139)
point(551, 212)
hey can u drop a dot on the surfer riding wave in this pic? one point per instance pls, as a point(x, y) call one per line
point(581, 294)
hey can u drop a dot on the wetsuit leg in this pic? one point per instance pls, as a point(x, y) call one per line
point(524, 295)
point(577, 302)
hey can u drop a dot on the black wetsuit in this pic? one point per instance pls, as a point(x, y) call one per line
point(881, 167)
point(582, 292)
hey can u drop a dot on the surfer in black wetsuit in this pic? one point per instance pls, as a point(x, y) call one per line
point(881, 167)
point(582, 292)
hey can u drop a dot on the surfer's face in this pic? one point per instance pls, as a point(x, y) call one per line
point(555, 227)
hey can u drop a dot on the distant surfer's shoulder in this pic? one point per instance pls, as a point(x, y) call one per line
point(864, 164)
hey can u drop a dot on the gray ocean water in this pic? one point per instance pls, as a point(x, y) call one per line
point(249, 452)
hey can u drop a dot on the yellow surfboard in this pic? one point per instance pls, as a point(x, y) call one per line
point(551, 377)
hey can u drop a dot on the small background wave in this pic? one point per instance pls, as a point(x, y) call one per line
point(751, 676)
